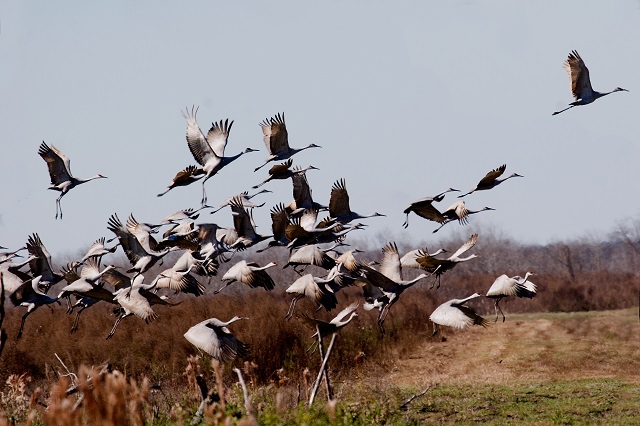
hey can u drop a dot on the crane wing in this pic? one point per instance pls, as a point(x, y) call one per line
point(116, 279)
point(579, 75)
point(187, 176)
point(215, 340)
point(196, 141)
point(492, 176)
point(128, 241)
point(466, 246)
point(345, 312)
point(376, 278)
point(390, 264)
point(275, 134)
point(218, 136)
point(41, 265)
point(90, 269)
point(426, 210)
point(456, 316)
point(301, 191)
point(339, 201)
point(280, 169)
point(58, 164)
point(242, 221)
point(137, 304)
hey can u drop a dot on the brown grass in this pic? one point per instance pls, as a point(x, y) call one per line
point(279, 365)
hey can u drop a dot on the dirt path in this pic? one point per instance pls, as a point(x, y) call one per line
point(528, 349)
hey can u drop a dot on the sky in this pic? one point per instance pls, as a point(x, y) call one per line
point(406, 99)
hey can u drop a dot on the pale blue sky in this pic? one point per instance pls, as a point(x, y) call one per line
point(406, 100)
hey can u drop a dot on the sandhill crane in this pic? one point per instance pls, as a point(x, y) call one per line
point(424, 208)
point(214, 240)
point(6, 256)
point(71, 275)
point(97, 250)
point(179, 281)
point(208, 150)
point(279, 223)
point(178, 230)
point(311, 255)
point(491, 180)
point(194, 261)
point(213, 337)
point(409, 259)
point(314, 288)
point(283, 171)
point(302, 198)
point(60, 172)
point(389, 280)
point(458, 211)
point(185, 177)
point(138, 256)
point(456, 314)
point(31, 298)
point(137, 300)
point(329, 327)
point(276, 139)
point(302, 230)
point(504, 286)
point(142, 232)
point(580, 84)
point(86, 284)
point(41, 265)
point(249, 273)
point(245, 226)
point(348, 261)
point(246, 200)
point(438, 267)
point(339, 204)
point(14, 278)
point(181, 215)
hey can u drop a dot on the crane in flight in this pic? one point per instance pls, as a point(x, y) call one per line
point(491, 180)
point(276, 140)
point(60, 172)
point(455, 313)
point(208, 150)
point(213, 337)
point(505, 286)
point(580, 83)
point(425, 209)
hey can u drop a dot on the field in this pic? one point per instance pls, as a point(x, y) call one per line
point(571, 355)
point(535, 368)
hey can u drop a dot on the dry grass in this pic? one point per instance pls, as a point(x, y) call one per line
point(532, 345)
point(533, 369)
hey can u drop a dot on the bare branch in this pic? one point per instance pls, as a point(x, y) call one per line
point(404, 404)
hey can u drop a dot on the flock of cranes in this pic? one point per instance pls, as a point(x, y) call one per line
point(295, 225)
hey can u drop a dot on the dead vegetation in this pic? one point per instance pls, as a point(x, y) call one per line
point(531, 345)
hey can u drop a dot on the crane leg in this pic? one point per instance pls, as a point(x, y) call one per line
point(76, 320)
point(406, 222)
point(59, 206)
point(24, 318)
point(563, 110)
point(223, 287)
point(204, 195)
point(381, 318)
point(113, 330)
point(292, 307)
point(435, 329)
point(498, 308)
point(69, 307)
